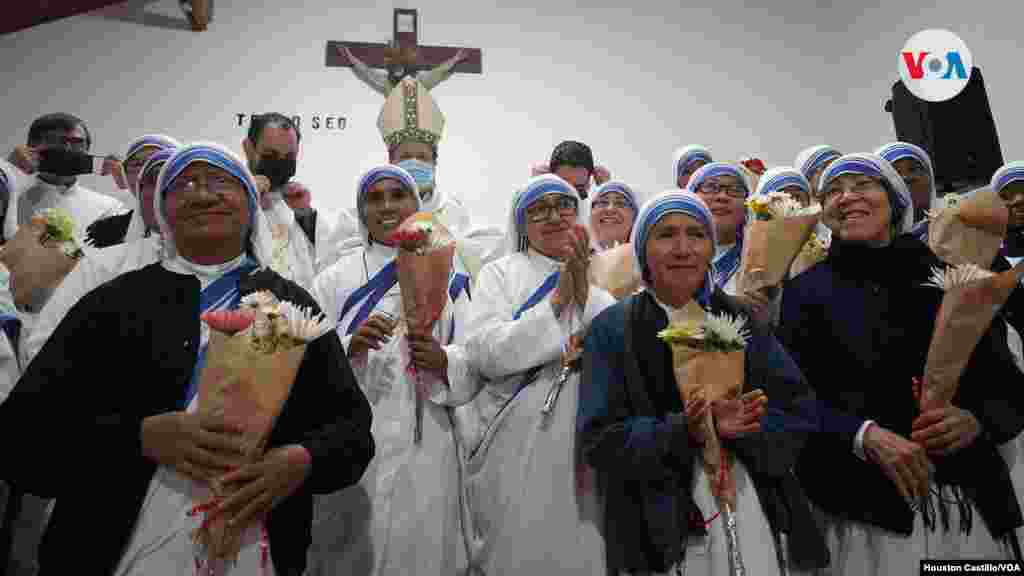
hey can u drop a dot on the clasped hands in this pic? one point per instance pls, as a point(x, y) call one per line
point(938, 432)
point(574, 281)
point(733, 417)
point(426, 352)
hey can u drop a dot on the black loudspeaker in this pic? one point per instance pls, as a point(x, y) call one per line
point(959, 134)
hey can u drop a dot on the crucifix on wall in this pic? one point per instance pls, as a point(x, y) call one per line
point(382, 66)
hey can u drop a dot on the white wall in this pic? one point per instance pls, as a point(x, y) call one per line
point(634, 82)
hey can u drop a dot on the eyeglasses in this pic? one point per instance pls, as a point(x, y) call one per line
point(219, 185)
point(859, 188)
point(59, 139)
point(542, 211)
point(606, 202)
point(708, 188)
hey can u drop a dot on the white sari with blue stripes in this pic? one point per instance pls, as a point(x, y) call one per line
point(522, 514)
point(403, 516)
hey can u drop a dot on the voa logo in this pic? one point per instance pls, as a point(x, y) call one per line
point(935, 65)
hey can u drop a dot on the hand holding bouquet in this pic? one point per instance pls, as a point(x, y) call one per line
point(39, 256)
point(781, 227)
point(968, 230)
point(252, 359)
point(814, 250)
point(614, 271)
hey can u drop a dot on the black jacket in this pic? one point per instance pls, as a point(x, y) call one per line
point(126, 351)
point(859, 325)
point(109, 231)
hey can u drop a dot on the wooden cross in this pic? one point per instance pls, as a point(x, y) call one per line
point(406, 34)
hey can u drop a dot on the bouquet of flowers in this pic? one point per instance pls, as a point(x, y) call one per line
point(426, 251)
point(815, 250)
point(39, 256)
point(708, 360)
point(968, 230)
point(252, 359)
point(781, 227)
point(614, 271)
point(972, 298)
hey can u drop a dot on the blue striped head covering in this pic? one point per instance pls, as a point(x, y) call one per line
point(536, 188)
point(374, 175)
point(5, 183)
point(159, 141)
point(717, 169)
point(1008, 174)
point(877, 167)
point(213, 154)
point(672, 202)
point(775, 179)
point(621, 188)
point(686, 156)
point(810, 159)
point(153, 164)
point(894, 151)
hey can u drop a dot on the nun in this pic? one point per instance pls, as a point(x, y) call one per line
point(686, 161)
point(724, 189)
point(403, 517)
point(612, 213)
point(526, 511)
point(147, 456)
point(660, 515)
point(811, 162)
point(114, 230)
point(867, 304)
point(142, 246)
point(914, 166)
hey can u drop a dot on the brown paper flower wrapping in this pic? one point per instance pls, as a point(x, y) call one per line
point(37, 267)
point(423, 274)
point(964, 316)
point(615, 272)
point(813, 251)
point(246, 386)
point(970, 232)
point(769, 249)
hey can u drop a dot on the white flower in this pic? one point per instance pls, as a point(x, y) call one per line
point(264, 301)
point(947, 202)
point(302, 324)
point(726, 331)
point(956, 276)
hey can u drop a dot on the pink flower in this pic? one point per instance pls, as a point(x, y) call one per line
point(229, 321)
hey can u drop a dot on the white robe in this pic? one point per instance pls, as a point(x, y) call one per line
point(96, 268)
point(293, 255)
point(522, 514)
point(403, 516)
point(31, 195)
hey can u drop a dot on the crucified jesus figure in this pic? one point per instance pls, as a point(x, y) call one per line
point(402, 65)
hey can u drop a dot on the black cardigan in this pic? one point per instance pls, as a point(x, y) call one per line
point(145, 328)
point(859, 325)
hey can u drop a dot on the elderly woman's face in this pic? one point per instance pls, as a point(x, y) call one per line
point(684, 178)
point(798, 194)
point(679, 251)
point(549, 222)
point(918, 182)
point(388, 204)
point(611, 219)
point(209, 206)
point(859, 205)
point(1013, 196)
point(726, 197)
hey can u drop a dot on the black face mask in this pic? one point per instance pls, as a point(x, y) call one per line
point(64, 162)
point(278, 170)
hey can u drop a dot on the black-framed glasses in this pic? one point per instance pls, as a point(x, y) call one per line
point(542, 210)
point(219, 185)
point(610, 201)
point(708, 188)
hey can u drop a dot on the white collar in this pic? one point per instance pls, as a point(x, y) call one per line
point(547, 262)
point(206, 273)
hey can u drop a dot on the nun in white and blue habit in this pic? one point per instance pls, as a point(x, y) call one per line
point(867, 305)
point(726, 261)
point(659, 513)
point(607, 219)
point(126, 514)
point(527, 506)
point(686, 161)
point(920, 180)
point(403, 517)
